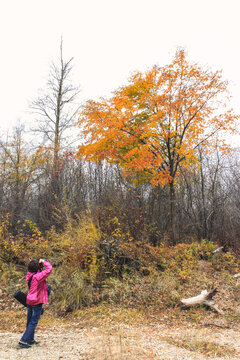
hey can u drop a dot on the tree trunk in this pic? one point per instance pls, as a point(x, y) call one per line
point(204, 229)
point(172, 213)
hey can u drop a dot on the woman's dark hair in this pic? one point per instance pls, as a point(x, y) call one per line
point(33, 266)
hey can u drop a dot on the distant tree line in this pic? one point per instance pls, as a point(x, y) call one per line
point(207, 195)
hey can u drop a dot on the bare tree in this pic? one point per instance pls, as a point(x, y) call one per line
point(55, 105)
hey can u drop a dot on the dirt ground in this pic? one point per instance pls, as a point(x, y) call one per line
point(126, 341)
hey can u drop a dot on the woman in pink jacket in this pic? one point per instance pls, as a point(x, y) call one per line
point(36, 297)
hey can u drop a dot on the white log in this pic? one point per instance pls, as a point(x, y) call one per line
point(217, 250)
point(196, 300)
point(236, 275)
point(205, 298)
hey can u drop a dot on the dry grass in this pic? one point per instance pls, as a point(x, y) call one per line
point(120, 344)
point(109, 315)
point(15, 320)
point(206, 347)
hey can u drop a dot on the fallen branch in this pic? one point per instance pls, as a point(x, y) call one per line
point(217, 325)
point(205, 298)
point(217, 250)
point(236, 275)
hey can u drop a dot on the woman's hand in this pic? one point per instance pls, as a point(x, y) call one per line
point(41, 261)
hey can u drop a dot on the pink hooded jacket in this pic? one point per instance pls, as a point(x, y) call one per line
point(37, 293)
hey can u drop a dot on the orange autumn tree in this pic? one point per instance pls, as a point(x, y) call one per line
point(155, 123)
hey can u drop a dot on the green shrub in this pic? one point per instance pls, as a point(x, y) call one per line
point(202, 250)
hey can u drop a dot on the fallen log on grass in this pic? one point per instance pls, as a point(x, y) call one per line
point(236, 276)
point(205, 298)
point(217, 250)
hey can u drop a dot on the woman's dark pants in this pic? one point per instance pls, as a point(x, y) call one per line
point(33, 316)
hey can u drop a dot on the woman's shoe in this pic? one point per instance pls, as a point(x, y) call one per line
point(23, 345)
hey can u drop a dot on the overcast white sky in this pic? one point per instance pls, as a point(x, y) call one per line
point(108, 40)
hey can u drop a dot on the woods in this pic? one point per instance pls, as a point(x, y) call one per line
point(152, 156)
point(206, 195)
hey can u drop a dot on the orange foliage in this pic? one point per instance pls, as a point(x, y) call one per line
point(157, 121)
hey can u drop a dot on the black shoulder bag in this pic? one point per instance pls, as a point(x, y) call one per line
point(21, 296)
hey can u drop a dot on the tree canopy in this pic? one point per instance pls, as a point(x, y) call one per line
point(158, 120)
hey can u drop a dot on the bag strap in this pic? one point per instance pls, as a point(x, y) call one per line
point(29, 281)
